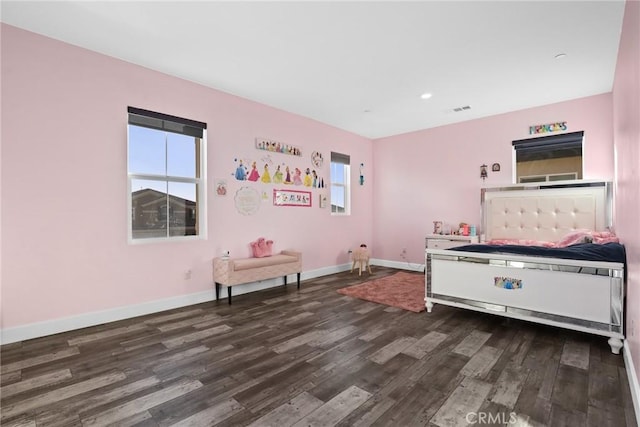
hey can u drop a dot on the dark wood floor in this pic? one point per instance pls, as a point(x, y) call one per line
point(315, 357)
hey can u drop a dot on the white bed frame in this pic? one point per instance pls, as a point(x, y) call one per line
point(584, 296)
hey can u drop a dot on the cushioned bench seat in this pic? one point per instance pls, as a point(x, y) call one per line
point(230, 272)
point(246, 263)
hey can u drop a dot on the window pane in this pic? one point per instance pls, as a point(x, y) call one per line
point(337, 173)
point(147, 151)
point(337, 197)
point(148, 209)
point(546, 156)
point(339, 186)
point(182, 218)
point(181, 155)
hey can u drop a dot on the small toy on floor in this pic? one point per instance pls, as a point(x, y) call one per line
point(360, 256)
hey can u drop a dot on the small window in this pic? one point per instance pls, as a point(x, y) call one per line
point(551, 158)
point(546, 178)
point(165, 175)
point(340, 182)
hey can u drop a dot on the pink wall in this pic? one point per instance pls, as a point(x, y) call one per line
point(63, 183)
point(434, 174)
point(64, 200)
point(626, 125)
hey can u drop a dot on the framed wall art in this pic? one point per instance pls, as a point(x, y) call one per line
point(247, 201)
point(323, 200)
point(292, 198)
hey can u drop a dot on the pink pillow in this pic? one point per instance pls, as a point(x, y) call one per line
point(261, 247)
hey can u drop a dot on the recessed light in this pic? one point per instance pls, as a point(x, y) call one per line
point(426, 96)
point(561, 55)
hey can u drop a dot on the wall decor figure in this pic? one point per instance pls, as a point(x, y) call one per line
point(483, 172)
point(221, 187)
point(287, 175)
point(266, 176)
point(277, 147)
point(297, 177)
point(495, 167)
point(308, 180)
point(277, 176)
point(253, 175)
point(241, 171)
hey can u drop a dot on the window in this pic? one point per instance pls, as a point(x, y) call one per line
point(165, 176)
point(340, 183)
point(550, 158)
point(546, 178)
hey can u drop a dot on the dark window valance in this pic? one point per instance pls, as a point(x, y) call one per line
point(160, 121)
point(554, 146)
point(344, 159)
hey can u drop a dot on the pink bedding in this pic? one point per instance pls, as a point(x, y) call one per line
point(575, 237)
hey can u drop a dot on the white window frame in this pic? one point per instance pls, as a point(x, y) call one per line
point(549, 177)
point(201, 197)
point(346, 185)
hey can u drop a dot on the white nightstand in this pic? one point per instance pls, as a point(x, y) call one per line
point(444, 241)
point(448, 241)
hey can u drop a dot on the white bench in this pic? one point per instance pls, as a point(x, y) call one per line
point(230, 272)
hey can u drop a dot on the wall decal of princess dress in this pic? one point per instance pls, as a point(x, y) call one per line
point(283, 173)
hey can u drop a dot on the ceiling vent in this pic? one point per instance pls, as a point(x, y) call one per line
point(458, 109)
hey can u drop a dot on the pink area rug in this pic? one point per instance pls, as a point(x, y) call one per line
point(402, 290)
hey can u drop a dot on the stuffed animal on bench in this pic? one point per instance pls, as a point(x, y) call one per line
point(261, 247)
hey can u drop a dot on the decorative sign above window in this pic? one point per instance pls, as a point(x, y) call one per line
point(549, 127)
point(277, 147)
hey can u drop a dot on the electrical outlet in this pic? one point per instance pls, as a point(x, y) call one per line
point(187, 275)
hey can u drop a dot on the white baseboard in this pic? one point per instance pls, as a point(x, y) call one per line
point(401, 265)
point(632, 377)
point(56, 326)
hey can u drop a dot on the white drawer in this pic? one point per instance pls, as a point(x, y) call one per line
point(445, 244)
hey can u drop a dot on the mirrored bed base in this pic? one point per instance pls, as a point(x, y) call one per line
point(586, 296)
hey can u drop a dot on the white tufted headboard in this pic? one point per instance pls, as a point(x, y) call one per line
point(545, 212)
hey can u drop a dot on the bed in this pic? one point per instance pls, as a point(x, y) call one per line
point(558, 286)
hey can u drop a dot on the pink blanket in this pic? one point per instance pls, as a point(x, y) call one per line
point(573, 238)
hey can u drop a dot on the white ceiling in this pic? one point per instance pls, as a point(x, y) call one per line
point(359, 66)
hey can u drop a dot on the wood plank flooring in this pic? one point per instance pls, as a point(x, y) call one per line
point(313, 357)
